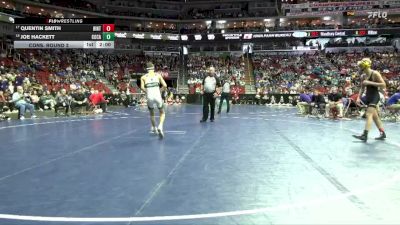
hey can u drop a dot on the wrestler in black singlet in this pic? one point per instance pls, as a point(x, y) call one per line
point(372, 95)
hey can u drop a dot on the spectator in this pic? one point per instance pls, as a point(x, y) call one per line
point(3, 102)
point(22, 103)
point(4, 83)
point(334, 101)
point(97, 98)
point(63, 100)
point(304, 104)
point(35, 99)
point(47, 101)
point(393, 102)
point(79, 100)
point(318, 99)
point(3, 106)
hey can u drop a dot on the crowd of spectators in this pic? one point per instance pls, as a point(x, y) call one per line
point(46, 74)
point(152, 10)
point(49, 78)
point(230, 68)
point(33, 96)
point(290, 74)
point(329, 82)
point(195, 13)
point(76, 4)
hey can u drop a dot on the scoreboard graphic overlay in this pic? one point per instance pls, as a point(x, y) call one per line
point(42, 33)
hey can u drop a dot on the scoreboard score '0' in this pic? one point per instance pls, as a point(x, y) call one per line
point(64, 33)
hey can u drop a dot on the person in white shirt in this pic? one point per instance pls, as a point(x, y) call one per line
point(101, 69)
point(226, 94)
point(19, 99)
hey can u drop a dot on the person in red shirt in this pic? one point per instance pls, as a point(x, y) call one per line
point(97, 98)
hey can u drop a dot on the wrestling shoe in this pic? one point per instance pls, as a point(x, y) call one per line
point(160, 133)
point(362, 137)
point(153, 130)
point(382, 137)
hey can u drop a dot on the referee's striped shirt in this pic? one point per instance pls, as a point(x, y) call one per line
point(210, 84)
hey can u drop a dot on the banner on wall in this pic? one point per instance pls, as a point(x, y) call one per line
point(352, 12)
point(319, 8)
point(258, 36)
point(333, 4)
point(160, 53)
point(360, 49)
point(343, 4)
point(392, 3)
point(6, 18)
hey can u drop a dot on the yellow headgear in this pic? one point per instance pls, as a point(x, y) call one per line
point(364, 63)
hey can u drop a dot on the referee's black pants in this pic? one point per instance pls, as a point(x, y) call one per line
point(208, 100)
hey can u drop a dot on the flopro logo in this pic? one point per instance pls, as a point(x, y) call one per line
point(377, 14)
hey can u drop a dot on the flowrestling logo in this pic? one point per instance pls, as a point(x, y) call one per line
point(377, 14)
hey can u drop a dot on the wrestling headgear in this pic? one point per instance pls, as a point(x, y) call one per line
point(364, 63)
point(150, 66)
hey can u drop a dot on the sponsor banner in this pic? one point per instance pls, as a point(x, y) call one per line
point(273, 35)
point(333, 8)
point(333, 34)
point(387, 11)
point(232, 36)
point(283, 52)
point(392, 3)
point(258, 36)
point(158, 53)
point(6, 18)
point(322, 13)
point(296, 6)
point(354, 12)
point(360, 49)
point(343, 4)
point(148, 36)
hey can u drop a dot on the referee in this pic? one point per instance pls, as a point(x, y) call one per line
point(209, 89)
